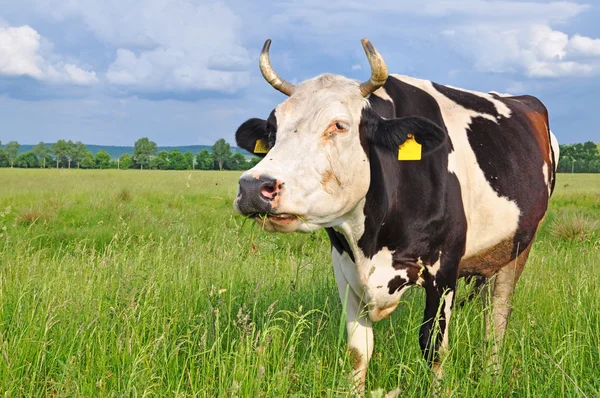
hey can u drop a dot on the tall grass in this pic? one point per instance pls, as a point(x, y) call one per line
point(116, 283)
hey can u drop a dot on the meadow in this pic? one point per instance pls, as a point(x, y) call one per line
point(146, 283)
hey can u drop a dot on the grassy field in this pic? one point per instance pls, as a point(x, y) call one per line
point(129, 283)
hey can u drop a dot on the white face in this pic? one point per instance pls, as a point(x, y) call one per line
point(321, 169)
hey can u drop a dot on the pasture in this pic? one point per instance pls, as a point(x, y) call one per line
point(146, 283)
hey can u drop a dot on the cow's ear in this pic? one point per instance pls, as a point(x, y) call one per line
point(410, 137)
point(252, 135)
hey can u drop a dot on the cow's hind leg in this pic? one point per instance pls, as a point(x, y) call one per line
point(497, 294)
point(476, 289)
point(433, 338)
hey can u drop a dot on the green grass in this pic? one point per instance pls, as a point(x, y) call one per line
point(129, 283)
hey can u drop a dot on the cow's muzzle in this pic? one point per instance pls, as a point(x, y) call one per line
point(258, 196)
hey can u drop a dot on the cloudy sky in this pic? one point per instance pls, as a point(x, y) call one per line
point(185, 71)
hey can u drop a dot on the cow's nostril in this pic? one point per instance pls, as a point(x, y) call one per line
point(269, 190)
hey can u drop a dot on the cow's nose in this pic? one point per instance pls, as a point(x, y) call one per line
point(256, 195)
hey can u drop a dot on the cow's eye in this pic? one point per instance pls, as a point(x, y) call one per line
point(341, 126)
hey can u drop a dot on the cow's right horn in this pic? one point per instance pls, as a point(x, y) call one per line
point(270, 75)
point(379, 72)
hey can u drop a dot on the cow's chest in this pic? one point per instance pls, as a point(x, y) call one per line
point(377, 282)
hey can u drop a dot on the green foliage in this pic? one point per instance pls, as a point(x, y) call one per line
point(121, 283)
point(4, 159)
point(102, 160)
point(78, 152)
point(41, 152)
point(579, 158)
point(143, 151)
point(160, 162)
point(177, 161)
point(204, 160)
point(125, 161)
point(26, 160)
point(67, 152)
point(236, 162)
point(61, 150)
point(189, 158)
point(88, 161)
point(221, 152)
point(12, 149)
point(254, 162)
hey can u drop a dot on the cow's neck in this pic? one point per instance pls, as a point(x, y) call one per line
point(405, 204)
point(353, 228)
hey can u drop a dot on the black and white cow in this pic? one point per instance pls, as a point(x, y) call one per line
point(469, 204)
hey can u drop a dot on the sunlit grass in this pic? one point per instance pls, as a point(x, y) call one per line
point(129, 283)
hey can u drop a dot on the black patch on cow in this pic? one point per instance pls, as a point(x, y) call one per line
point(406, 206)
point(412, 101)
point(408, 101)
point(339, 242)
point(382, 107)
point(256, 129)
point(554, 165)
point(396, 284)
point(468, 100)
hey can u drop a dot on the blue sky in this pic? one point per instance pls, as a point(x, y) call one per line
point(185, 71)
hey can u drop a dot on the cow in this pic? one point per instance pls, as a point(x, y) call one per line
point(416, 183)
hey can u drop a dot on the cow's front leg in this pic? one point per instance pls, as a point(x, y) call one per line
point(439, 290)
point(358, 324)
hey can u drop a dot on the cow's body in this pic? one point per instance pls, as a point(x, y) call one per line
point(470, 206)
point(480, 207)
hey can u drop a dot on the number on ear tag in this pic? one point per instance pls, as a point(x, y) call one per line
point(261, 146)
point(409, 149)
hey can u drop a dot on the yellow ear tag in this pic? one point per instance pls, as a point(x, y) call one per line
point(261, 146)
point(410, 149)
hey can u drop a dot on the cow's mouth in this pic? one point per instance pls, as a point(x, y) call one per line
point(276, 218)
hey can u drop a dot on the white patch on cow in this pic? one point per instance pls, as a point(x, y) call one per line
point(491, 218)
point(501, 107)
point(434, 268)
point(348, 269)
point(324, 174)
point(374, 275)
point(546, 179)
point(358, 325)
point(452, 162)
point(447, 314)
point(555, 149)
point(381, 93)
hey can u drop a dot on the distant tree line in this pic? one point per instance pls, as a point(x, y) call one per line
point(68, 154)
point(574, 158)
point(579, 158)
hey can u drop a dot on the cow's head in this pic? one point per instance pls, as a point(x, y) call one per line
point(316, 168)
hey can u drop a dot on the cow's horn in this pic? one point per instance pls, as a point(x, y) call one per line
point(270, 75)
point(379, 71)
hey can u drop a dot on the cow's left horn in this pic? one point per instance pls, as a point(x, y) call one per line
point(270, 75)
point(379, 72)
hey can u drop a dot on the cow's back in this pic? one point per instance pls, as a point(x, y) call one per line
point(503, 159)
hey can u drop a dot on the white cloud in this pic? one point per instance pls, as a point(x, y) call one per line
point(585, 45)
point(535, 51)
point(501, 36)
point(195, 45)
point(165, 45)
point(21, 55)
